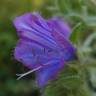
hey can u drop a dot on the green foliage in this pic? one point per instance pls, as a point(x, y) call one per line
point(81, 14)
point(71, 81)
point(74, 37)
point(75, 78)
point(75, 10)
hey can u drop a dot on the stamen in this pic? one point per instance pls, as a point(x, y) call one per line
point(24, 74)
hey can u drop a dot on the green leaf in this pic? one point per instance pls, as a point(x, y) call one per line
point(68, 83)
point(75, 32)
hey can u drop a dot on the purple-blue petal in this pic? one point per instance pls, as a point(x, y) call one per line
point(43, 43)
point(26, 53)
point(61, 26)
point(33, 55)
point(49, 71)
point(66, 47)
point(28, 27)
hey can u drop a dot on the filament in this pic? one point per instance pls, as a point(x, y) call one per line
point(24, 74)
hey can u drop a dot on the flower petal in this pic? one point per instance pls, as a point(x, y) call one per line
point(61, 26)
point(41, 21)
point(26, 53)
point(43, 45)
point(28, 27)
point(48, 72)
point(67, 49)
point(32, 55)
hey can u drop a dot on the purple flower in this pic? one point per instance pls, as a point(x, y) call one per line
point(43, 45)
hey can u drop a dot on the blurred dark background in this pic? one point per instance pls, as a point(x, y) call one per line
point(9, 86)
point(74, 11)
